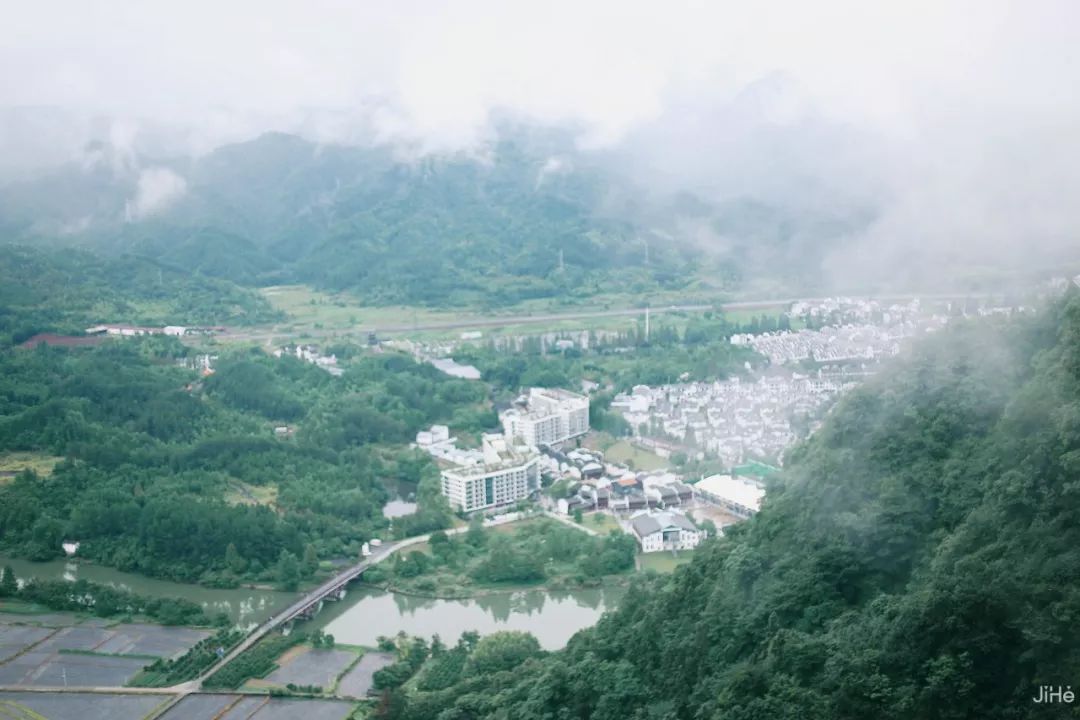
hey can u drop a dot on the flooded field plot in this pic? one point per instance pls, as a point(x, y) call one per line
point(78, 706)
point(255, 707)
point(14, 639)
point(311, 667)
point(285, 709)
point(165, 642)
point(200, 707)
point(244, 708)
point(69, 670)
point(40, 656)
point(358, 681)
point(75, 638)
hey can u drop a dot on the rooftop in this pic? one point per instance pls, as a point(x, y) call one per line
point(649, 523)
point(739, 491)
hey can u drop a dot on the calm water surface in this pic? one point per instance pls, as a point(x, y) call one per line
point(366, 613)
point(398, 508)
point(553, 617)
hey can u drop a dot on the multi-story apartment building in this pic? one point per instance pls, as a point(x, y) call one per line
point(549, 416)
point(507, 474)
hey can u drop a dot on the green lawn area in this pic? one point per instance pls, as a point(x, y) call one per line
point(240, 493)
point(623, 451)
point(309, 308)
point(40, 463)
point(664, 561)
point(600, 522)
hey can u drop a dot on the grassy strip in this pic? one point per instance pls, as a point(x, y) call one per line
point(348, 668)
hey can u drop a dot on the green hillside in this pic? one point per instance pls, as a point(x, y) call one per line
point(67, 290)
point(530, 217)
point(918, 558)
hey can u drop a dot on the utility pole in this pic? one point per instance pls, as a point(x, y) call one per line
point(562, 267)
point(646, 322)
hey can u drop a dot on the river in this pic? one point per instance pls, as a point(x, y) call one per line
point(366, 613)
point(246, 607)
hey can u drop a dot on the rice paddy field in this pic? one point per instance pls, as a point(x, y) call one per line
point(58, 650)
point(256, 707)
point(78, 706)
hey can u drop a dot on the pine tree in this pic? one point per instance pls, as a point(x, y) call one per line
point(234, 560)
point(311, 560)
point(9, 586)
point(288, 571)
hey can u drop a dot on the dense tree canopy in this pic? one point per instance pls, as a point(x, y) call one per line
point(170, 475)
point(66, 291)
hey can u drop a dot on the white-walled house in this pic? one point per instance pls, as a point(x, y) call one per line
point(668, 530)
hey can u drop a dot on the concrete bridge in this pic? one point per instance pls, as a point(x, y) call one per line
point(305, 607)
point(309, 604)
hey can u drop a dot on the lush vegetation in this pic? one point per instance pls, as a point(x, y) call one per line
point(160, 465)
point(918, 557)
point(202, 656)
point(102, 600)
point(255, 662)
point(66, 291)
point(435, 667)
point(527, 552)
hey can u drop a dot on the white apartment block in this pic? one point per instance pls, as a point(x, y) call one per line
point(508, 473)
point(550, 416)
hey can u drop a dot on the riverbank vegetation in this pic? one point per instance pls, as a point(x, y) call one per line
point(531, 552)
point(153, 451)
point(917, 557)
point(103, 601)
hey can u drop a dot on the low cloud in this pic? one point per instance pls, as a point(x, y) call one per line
point(158, 189)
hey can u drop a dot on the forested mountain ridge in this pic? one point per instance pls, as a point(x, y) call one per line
point(530, 216)
point(918, 558)
point(68, 290)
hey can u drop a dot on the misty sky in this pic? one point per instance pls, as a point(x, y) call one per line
point(966, 113)
point(432, 71)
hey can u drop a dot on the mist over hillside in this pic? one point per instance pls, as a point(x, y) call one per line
point(531, 214)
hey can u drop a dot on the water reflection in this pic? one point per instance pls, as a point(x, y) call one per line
point(367, 613)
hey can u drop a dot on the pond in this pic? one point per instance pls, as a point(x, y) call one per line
point(553, 617)
point(398, 508)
